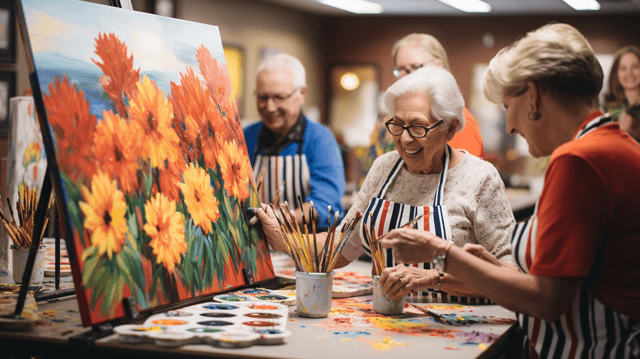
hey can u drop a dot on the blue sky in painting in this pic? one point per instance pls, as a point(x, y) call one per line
point(62, 34)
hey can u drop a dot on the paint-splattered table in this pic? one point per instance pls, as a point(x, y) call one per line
point(353, 330)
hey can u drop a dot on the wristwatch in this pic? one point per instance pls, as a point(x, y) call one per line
point(441, 260)
point(437, 286)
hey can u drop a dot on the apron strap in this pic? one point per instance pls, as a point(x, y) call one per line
point(437, 199)
point(394, 171)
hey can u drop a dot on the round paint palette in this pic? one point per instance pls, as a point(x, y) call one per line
point(227, 325)
point(287, 297)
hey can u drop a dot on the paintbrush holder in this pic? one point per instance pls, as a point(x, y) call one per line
point(20, 257)
point(382, 303)
point(313, 294)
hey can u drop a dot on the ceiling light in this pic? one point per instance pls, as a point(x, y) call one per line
point(355, 6)
point(583, 4)
point(468, 5)
point(349, 81)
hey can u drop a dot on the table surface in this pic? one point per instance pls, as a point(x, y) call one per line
point(351, 330)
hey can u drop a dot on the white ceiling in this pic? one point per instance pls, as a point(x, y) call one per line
point(498, 7)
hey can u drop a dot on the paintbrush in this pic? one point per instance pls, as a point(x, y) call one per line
point(260, 179)
point(287, 240)
point(333, 257)
point(436, 316)
point(406, 225)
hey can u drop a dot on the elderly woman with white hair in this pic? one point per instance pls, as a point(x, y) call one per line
point(461, 197)
point(578, 293)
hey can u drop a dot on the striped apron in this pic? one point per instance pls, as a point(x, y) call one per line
point(388, 215)
point(288, 175)
point(588, 329)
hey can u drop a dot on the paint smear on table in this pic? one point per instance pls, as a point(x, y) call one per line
point(412, 327)
point(477, 337)
point(387, 343)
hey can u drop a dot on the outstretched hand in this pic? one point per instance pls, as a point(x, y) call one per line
point(270, 227)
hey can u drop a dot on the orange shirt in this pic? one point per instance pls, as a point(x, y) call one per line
point(589, 217)
point(469, 138)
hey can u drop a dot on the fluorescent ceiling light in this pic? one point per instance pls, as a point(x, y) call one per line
point(355, 6)
point(583, 4)
point(468, 5)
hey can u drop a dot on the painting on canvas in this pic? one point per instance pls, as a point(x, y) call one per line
point(148, 152)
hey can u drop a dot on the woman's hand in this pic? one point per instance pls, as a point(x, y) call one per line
point(400, 280)
point(413, 246)
point(270, 227)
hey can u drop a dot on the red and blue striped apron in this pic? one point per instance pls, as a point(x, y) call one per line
point(388, 215)
point(588, 329)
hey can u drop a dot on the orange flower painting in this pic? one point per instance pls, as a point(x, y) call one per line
point(144, 142)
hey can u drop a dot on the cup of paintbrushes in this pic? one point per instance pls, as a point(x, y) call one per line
point(20, 255)
point(313, 294)
point(383, 303)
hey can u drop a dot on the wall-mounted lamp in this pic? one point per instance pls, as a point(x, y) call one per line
point(349, 81)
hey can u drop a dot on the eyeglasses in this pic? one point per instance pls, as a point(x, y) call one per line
point(277, 99)
point(415, 131)
point(398, 72)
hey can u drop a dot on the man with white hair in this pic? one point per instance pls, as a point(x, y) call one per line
point(301, 158)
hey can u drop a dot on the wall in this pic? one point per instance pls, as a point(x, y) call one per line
point(370, 39)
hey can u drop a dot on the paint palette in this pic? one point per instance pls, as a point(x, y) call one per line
point(285, 297)
point(225, 325)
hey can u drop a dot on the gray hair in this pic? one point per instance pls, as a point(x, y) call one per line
point(556, 57)
point(439, 85)
point(425, 42)
point(285, 62)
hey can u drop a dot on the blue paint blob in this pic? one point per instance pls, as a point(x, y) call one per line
point(215, 323)
point(269, 331)
point(352, 334)
point(220, 306)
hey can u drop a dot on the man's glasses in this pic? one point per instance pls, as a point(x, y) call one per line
point(400, 72)
point(277, 99)
point(415, 131)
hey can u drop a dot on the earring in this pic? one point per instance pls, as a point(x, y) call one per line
point(533, 114)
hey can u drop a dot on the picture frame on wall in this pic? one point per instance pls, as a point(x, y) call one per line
point(234, 56)
point(7, 91)
point(7, 33)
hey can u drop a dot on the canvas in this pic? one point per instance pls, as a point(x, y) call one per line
point(148, 155)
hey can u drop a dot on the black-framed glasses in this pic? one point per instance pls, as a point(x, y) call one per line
point(277, 99)
point(415, 131)
point(398, 72)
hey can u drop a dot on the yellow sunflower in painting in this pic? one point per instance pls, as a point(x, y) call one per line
point(104, 209)
point(235, 168)
point(164, 226)
point(152, 114)
point(199, 198)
